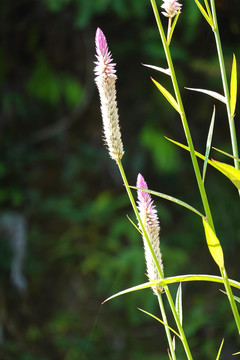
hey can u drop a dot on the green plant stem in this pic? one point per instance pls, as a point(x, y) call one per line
point(230, 297)
point(190, 143)
point(225, 86)
point(183, 117)
point(164, 317)
point(167, 291)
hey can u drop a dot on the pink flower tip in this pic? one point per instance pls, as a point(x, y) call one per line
point(101, 43)
point(141, 183)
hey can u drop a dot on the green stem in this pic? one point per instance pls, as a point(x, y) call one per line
point(168, 294)
point(183, 117)
point(225, 86)
point(230, 297)
point(189, 139)
point(164, 317)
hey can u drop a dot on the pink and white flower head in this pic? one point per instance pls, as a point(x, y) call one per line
point(171, 8)
point(105, 80)
point(149, 217)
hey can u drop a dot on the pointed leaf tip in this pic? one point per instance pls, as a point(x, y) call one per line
point(214, 245)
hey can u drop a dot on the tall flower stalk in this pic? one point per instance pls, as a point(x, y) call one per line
point(105, 81)
point(193, 156)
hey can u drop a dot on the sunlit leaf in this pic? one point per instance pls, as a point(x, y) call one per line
point(178, 303)
point(220, 349)
point(170, 198)
point(162, 322)
point(233, 87)
point(173, 27)
point(209, 20)
point(173, 280)
point(210, 93)
point(168, 96)
point(157, 68)
point(214, 245)
point(208, 145)
point(230, 171)
point(237, 353)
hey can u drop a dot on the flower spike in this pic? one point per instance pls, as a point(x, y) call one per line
point(171, 8)
point(149, 217)
point(105, 80)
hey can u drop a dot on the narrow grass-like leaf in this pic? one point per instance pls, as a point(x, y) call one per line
point(157, 68)
point(136, 227)
point(209, 20)
point(237, 353)
point(214, 245)
point(230, 171)
point(214, 94)
point(208, 145)
point(173, 280)
point(220, 349)
point(162, 322)
point(168, 96)
point(169, 355)
point(208, 9)
point(227, 154)
point(170, 198)
point(233, 87)
point(173, 27)
point(235, 297)
point(178, 303)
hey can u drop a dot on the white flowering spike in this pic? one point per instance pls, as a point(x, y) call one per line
point(171, 8)
point(105, 81)
point(149, 217)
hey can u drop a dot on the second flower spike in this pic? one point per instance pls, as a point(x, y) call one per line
point(150, 221)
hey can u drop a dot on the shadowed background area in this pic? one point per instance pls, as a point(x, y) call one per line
point(66, 243)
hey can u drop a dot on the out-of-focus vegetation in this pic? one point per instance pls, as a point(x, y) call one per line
point(56, 174)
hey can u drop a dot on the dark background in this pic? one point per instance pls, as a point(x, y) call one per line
point(75, 246)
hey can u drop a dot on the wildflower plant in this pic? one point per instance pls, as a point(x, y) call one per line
point(144, 208)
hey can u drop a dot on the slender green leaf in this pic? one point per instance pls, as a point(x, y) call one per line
point(237, 353)
point(157, 68)
point(227, 154)
point(168, 96)
point(233, 87)
point(214, 245)
point(173, 280)
point(210, 93)
point(208, 9)
point(162, 322)
point(220, 349)
point(178, 304)
point(170, 198)
point(173, 27)
point(169, 355)
point(204, 13)
point(136, 227)
point(208, 145)
point(230, 171)
point(235, 297)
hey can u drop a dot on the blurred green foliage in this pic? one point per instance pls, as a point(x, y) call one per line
point(55, 171)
